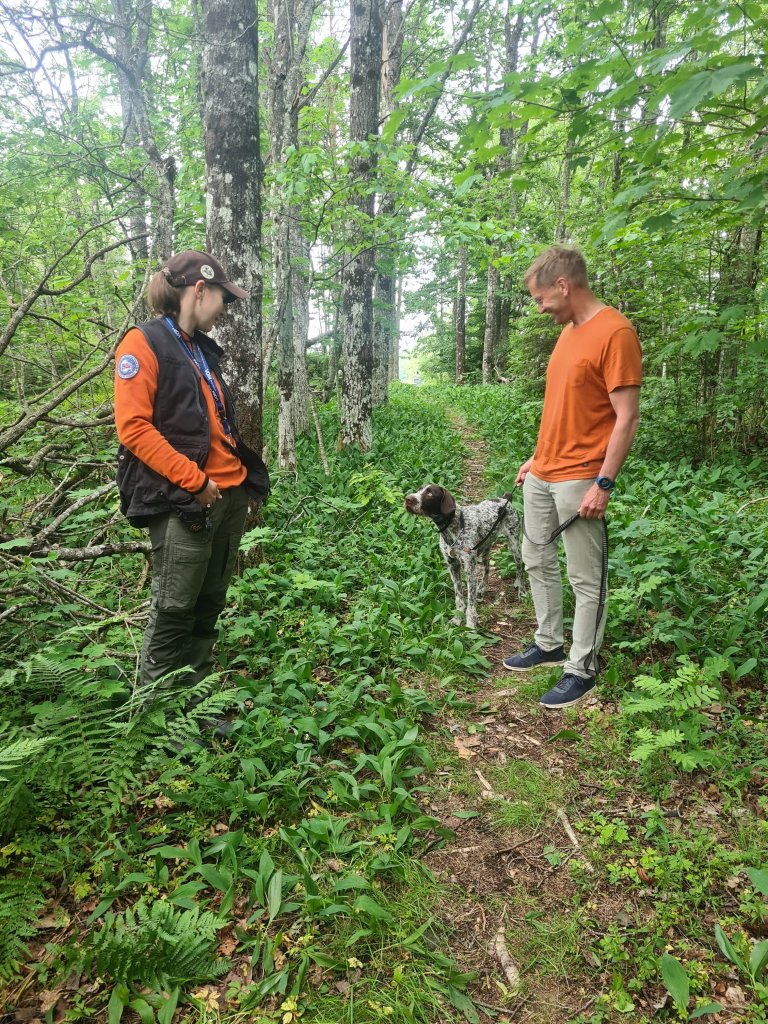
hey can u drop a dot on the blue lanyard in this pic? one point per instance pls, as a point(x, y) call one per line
point(197, 356)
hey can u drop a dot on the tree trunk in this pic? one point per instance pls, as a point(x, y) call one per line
point(230, 92)
point(460, 318)
point(357, 303)
point(286, 436)
point(300, 278)
point(504, 306)
point(386, 332)
point(394, 350)
point(291, 24)
point(490, 319)
point(334, 354)
point(561, 231)
point(132, 63)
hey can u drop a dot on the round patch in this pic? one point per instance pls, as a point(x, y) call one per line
point(208, 272)
point(127, 367)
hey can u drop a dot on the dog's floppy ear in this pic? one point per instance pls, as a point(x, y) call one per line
point(447, 504)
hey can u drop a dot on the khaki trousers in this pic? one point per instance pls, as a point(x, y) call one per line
point(190, 574)
point(546, 505)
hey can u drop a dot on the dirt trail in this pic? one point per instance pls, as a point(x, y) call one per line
point(513, 893)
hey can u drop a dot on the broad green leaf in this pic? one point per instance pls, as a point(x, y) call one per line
point(275, 894)
point(117, 1003)
point(676, 980)
point(702, 1010)
point(758, 959)
point(727, 948)
point(759, 878)
point(368, 905)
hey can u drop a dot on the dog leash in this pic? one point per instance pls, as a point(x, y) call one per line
point(501, 513)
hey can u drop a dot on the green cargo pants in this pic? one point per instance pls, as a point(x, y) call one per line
point(190, 575)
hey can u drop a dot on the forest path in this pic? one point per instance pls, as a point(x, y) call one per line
point(515, 908)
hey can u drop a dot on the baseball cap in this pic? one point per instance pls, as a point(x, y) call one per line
point(188, 267)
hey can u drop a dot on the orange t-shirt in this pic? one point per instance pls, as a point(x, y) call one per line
point(134, 405)
point(588, 362)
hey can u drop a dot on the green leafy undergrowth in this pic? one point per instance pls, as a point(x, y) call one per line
point(289, 843)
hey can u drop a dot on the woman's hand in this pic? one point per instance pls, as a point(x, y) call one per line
point(207, 497)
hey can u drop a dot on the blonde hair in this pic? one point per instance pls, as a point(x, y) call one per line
point(163, 297)
point(556, 262)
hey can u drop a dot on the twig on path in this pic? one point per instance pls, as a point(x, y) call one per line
point(511, 972)
point(509, 1012)
point(748, 503)
point(484, 782)
point(568, 829)
point(496, 853)
point(511, 849)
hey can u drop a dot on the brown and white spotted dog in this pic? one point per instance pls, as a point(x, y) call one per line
point(467, 534)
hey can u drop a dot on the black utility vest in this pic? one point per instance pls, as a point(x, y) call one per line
point(181, 416)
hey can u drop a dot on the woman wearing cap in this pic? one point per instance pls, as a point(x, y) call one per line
point(183, 470)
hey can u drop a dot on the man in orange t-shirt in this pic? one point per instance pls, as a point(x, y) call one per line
point(590, 415)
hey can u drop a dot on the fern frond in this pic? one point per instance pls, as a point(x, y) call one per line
point(159, 945)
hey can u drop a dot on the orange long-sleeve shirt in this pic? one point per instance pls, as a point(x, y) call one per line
point(134, 407)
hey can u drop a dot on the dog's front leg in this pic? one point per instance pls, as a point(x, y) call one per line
point(471, 570)
point(485, 568)
point(454, 568)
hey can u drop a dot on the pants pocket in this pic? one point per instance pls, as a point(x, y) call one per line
point(181, 573)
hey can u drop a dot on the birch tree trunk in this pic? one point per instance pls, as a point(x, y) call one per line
point(385, 311)
point(291, 24)
point(460, 316)
point(230, 93)
point(357, 302)
point(300, 287)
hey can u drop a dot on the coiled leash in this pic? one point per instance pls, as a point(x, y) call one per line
point(592, 656)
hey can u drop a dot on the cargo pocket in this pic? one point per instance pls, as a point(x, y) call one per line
point(182, 568)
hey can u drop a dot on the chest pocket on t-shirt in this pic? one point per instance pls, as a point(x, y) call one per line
point(577, 376)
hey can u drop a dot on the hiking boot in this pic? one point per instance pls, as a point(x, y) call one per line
point(533, 657)
point(569, 691)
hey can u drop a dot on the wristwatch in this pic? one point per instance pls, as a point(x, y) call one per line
point(605, 483)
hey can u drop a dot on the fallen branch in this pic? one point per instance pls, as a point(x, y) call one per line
point(88, 553)
point(82, 554)
point(9, 611)
point(28, 468)
point(511, 972)
point(568, 829)
point(51, 528)
point(488, 791)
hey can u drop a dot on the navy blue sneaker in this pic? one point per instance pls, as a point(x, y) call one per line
point(532, 657)
point(569, 691)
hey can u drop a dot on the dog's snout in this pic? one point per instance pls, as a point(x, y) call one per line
point(412, 503)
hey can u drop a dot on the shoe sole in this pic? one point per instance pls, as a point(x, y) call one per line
point(530, 668)
point(567, 704)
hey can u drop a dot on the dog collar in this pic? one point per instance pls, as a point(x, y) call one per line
point(441, 521)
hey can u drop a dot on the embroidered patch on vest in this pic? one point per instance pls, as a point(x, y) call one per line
point(127, 367)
